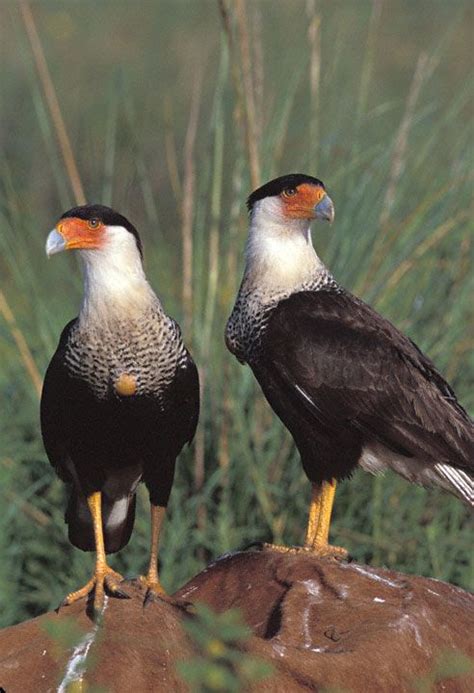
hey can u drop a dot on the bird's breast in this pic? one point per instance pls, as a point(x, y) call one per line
point(246, 325)
point(126, 361)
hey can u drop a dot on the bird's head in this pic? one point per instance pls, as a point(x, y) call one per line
point(115, 284)
point(292, 198)
point(279, 251)
point(93, 228)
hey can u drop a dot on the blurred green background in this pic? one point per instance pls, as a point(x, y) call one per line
point(175, 111)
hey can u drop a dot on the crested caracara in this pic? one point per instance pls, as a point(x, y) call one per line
point(120, 396)
point(351, 389)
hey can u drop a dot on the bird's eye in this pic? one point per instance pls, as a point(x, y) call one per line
point(93, 223)
point(289, 192)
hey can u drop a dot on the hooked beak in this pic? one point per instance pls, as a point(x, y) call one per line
point(324, 210)
point(55, 243)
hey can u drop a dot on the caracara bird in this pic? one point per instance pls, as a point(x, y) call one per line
point(120, 396)
point(351, 389)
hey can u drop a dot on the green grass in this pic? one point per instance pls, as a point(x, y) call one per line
point(373, 124)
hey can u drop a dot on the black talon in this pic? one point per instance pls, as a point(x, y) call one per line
point(149, 598)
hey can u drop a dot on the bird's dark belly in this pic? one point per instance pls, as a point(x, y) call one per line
point(327, 452)
point(117, 434)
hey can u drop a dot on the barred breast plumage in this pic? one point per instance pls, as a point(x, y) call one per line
point(254, 304)
point(149, 348)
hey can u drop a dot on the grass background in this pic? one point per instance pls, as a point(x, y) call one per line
point(174, 112)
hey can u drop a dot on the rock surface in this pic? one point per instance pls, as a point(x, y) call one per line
point(322, 624)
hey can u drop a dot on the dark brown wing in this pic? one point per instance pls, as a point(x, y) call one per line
point(349, 367)
point(183, 401)
point(178, 417)
point(58, 390)
point(183, 398)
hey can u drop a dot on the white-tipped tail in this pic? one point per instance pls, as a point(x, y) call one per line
point(461, 482)
point(118, 516)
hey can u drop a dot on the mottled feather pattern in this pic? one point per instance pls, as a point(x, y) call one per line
point(149, 347)
point(247, 322)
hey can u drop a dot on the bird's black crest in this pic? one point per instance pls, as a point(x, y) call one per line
point(108, 216)
point(277, 185)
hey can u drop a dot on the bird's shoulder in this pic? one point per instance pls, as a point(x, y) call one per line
point(57, 367)
point(310, 326)
point(331, 314)
point(342, 331)
point(68, 329)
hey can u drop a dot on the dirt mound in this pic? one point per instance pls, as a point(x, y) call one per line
point(322, 625)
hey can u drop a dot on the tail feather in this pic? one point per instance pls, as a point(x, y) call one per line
point(461, 483)
point(118, 517)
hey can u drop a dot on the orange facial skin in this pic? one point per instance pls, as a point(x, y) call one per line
point(81, 233)
point(301, 204)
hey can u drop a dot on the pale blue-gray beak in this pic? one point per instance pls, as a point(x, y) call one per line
point(55, 243)
point(324, 210)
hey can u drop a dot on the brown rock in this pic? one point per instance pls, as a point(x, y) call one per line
point(323, 625)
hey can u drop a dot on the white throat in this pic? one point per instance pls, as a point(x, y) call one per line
point(279, 252)
point(115, 285)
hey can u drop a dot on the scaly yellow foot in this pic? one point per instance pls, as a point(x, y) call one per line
point(317, 531)
point(154, 589)
point(104, 579)
point(328, 551)
point(321, 551)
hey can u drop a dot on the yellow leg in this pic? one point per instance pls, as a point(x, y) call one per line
point(103, 575)
point(151, 580)
point(314, 513)
point(319, 541)
point(319, 519)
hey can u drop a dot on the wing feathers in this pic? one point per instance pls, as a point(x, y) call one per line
point(350, 367)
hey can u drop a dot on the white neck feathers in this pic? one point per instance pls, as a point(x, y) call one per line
point(115, 285)
point(279, 252)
